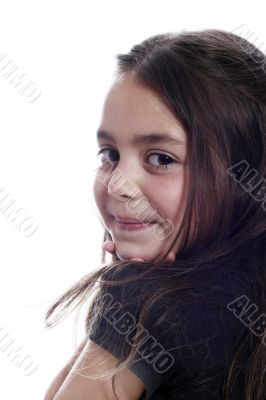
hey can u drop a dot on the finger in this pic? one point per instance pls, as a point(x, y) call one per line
point(109, 246)
point(171, 257)
point(137, 259)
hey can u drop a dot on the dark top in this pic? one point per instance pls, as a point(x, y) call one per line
point(175, 358)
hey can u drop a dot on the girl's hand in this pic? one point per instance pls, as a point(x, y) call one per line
point(110, 247)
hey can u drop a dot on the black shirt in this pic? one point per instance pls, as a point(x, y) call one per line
point(197, 338)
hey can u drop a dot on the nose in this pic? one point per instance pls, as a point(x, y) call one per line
point(125, 185)
point(121, 185)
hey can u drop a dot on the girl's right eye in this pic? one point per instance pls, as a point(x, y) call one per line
point(102, 152)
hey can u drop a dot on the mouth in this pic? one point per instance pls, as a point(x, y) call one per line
point(131, 221)
point(132, 225)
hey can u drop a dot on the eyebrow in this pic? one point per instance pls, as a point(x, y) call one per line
point(149, 138)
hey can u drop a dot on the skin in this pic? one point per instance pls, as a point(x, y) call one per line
point(128, 109)
point(127, 179)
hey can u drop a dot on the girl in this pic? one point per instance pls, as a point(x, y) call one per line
point(180, 310)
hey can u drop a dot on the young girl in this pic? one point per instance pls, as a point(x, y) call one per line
point(179, 313)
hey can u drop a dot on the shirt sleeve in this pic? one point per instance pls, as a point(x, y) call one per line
point(167, 350)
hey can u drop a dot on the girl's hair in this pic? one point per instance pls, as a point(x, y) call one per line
point(212, 82)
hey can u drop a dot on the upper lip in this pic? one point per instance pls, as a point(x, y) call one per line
point(130, 220)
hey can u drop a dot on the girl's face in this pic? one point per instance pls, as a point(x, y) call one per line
point(142, 176)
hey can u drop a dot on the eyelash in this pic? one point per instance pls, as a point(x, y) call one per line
point(159, 154)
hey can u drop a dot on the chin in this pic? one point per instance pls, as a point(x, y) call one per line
point(125, 250)
point(129, 256)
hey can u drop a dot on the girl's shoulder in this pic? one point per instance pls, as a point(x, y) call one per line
point(201, 332)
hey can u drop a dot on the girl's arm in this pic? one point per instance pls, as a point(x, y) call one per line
point(78, 386)
point(61, 376)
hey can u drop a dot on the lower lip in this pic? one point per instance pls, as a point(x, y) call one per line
point(133, 227)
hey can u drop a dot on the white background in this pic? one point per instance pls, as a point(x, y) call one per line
point(47, 150)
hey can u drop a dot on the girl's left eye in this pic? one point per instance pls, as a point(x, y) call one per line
point(162, 158)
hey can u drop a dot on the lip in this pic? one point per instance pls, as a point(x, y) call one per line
point(131, 221)
point(133, 226)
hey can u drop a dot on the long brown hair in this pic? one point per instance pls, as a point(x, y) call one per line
point(217, 90)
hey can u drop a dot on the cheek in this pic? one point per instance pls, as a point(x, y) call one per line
point(167, 196)
point(99, 192)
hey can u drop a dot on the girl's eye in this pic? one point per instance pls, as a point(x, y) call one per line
point(102, 151)
point(163, 158)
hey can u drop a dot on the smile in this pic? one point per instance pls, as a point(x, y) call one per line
point(133, 226)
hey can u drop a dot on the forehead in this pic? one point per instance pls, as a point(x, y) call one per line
point(130, 107)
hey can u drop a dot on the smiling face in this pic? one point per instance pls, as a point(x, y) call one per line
point(146, 180)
